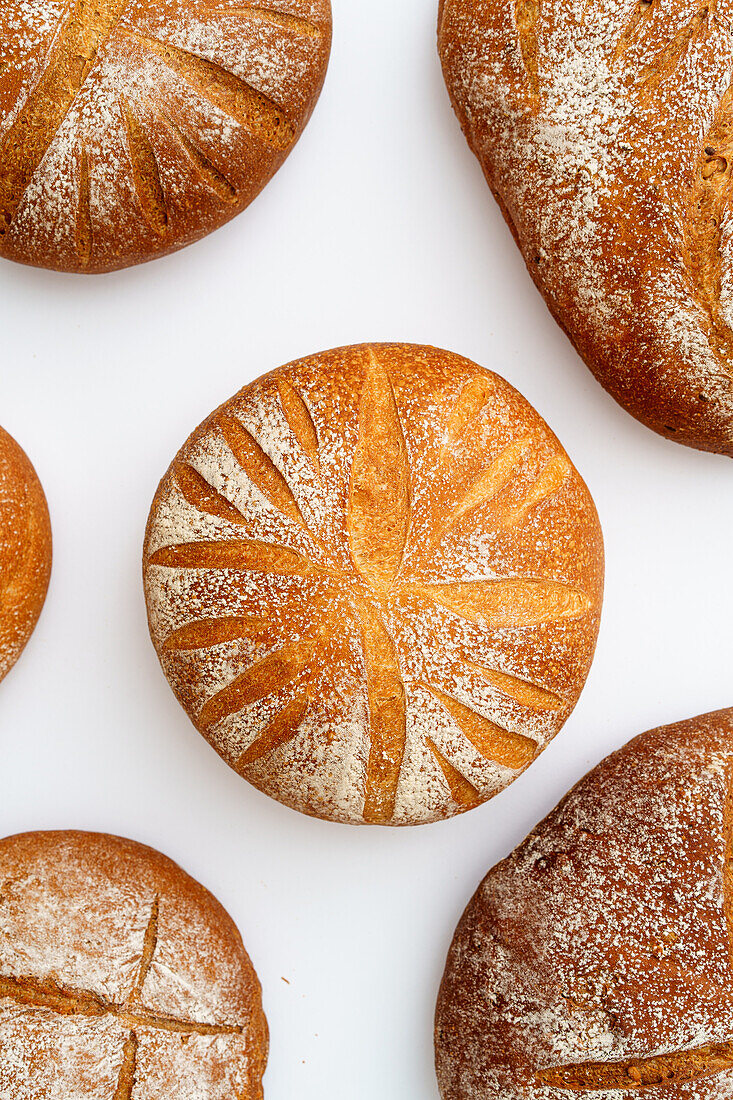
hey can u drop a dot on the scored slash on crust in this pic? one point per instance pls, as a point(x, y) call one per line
point(463, 793)
point(132, 1014)
point(526, 15)
point(261, 14)
point(235, 97)
point(84, 231)
point(669, 57)
point(145, 172)
point(642, 1073)
point(378, 521)
point(704, 229)
point(633, 29)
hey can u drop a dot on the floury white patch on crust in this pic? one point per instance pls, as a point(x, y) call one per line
point(374, 582)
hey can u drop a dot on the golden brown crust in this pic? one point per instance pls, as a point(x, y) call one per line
point(606, 138)
point(374, 582)
point(121, 975)
point(596, 959)
point(25, 551)
point(129, 129)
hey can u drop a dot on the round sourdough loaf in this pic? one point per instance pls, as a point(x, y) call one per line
point(120, 978)
point(374, 582)
point(607, 137)
point(596, 960)
point(130, 128)
point(25, 551)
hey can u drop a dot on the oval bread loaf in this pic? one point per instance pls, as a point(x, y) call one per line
point(120, 978)
point(130, 128)
point(25, 551)
point(606, 134)
point(374, 582)
point(596, 960)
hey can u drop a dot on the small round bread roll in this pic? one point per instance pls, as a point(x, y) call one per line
point(374, 582)
point(25, 551)
point(120, 978)
point(596, 960)
point(130, 129)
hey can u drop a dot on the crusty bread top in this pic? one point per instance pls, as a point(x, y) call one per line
point(606, 133)
point(25, 551)
point(597, 958)
point(120, 978)
point(129, 128)
point(374, 582)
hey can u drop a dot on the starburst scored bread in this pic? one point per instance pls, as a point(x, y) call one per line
point(121, 978)
point(130, 129)
point(374, 581)
point(596, 960)
point(605, 134)
point(25, 551)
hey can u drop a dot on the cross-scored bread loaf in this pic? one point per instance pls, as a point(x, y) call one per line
point(605, 131)
point(130, 128)
point(25, 551)
point(374, 582)
point(596, 961)
point(121, 978)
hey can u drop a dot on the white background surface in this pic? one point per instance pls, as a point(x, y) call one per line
point(379, 227)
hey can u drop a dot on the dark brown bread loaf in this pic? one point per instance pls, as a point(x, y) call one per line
point(597, 961)
point(606, 133)
point(374, 582)
point(25, 551)
point(120, 978)
point(130, 128)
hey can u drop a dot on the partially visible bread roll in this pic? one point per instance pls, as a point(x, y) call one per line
point(120, 978)
point(604, 130)
point(596, 960)
point(374, 582)
point(25, 551)
point(128, 130)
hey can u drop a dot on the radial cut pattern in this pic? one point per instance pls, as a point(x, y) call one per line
point(120, 978)
point(129, 128)
point(605, 130)
point(374, 581)
point(25, 551)
point(596, 960)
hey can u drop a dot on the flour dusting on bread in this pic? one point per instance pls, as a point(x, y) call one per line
point(596, 959)
point(117, 970)
point(593, 155)
point(218, 94)
point(376, 606)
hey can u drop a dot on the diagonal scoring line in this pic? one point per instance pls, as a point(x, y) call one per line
point(242, 102)
point(281, 19)
point(150, 946)
point(70, 61)
point(641, 1073)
